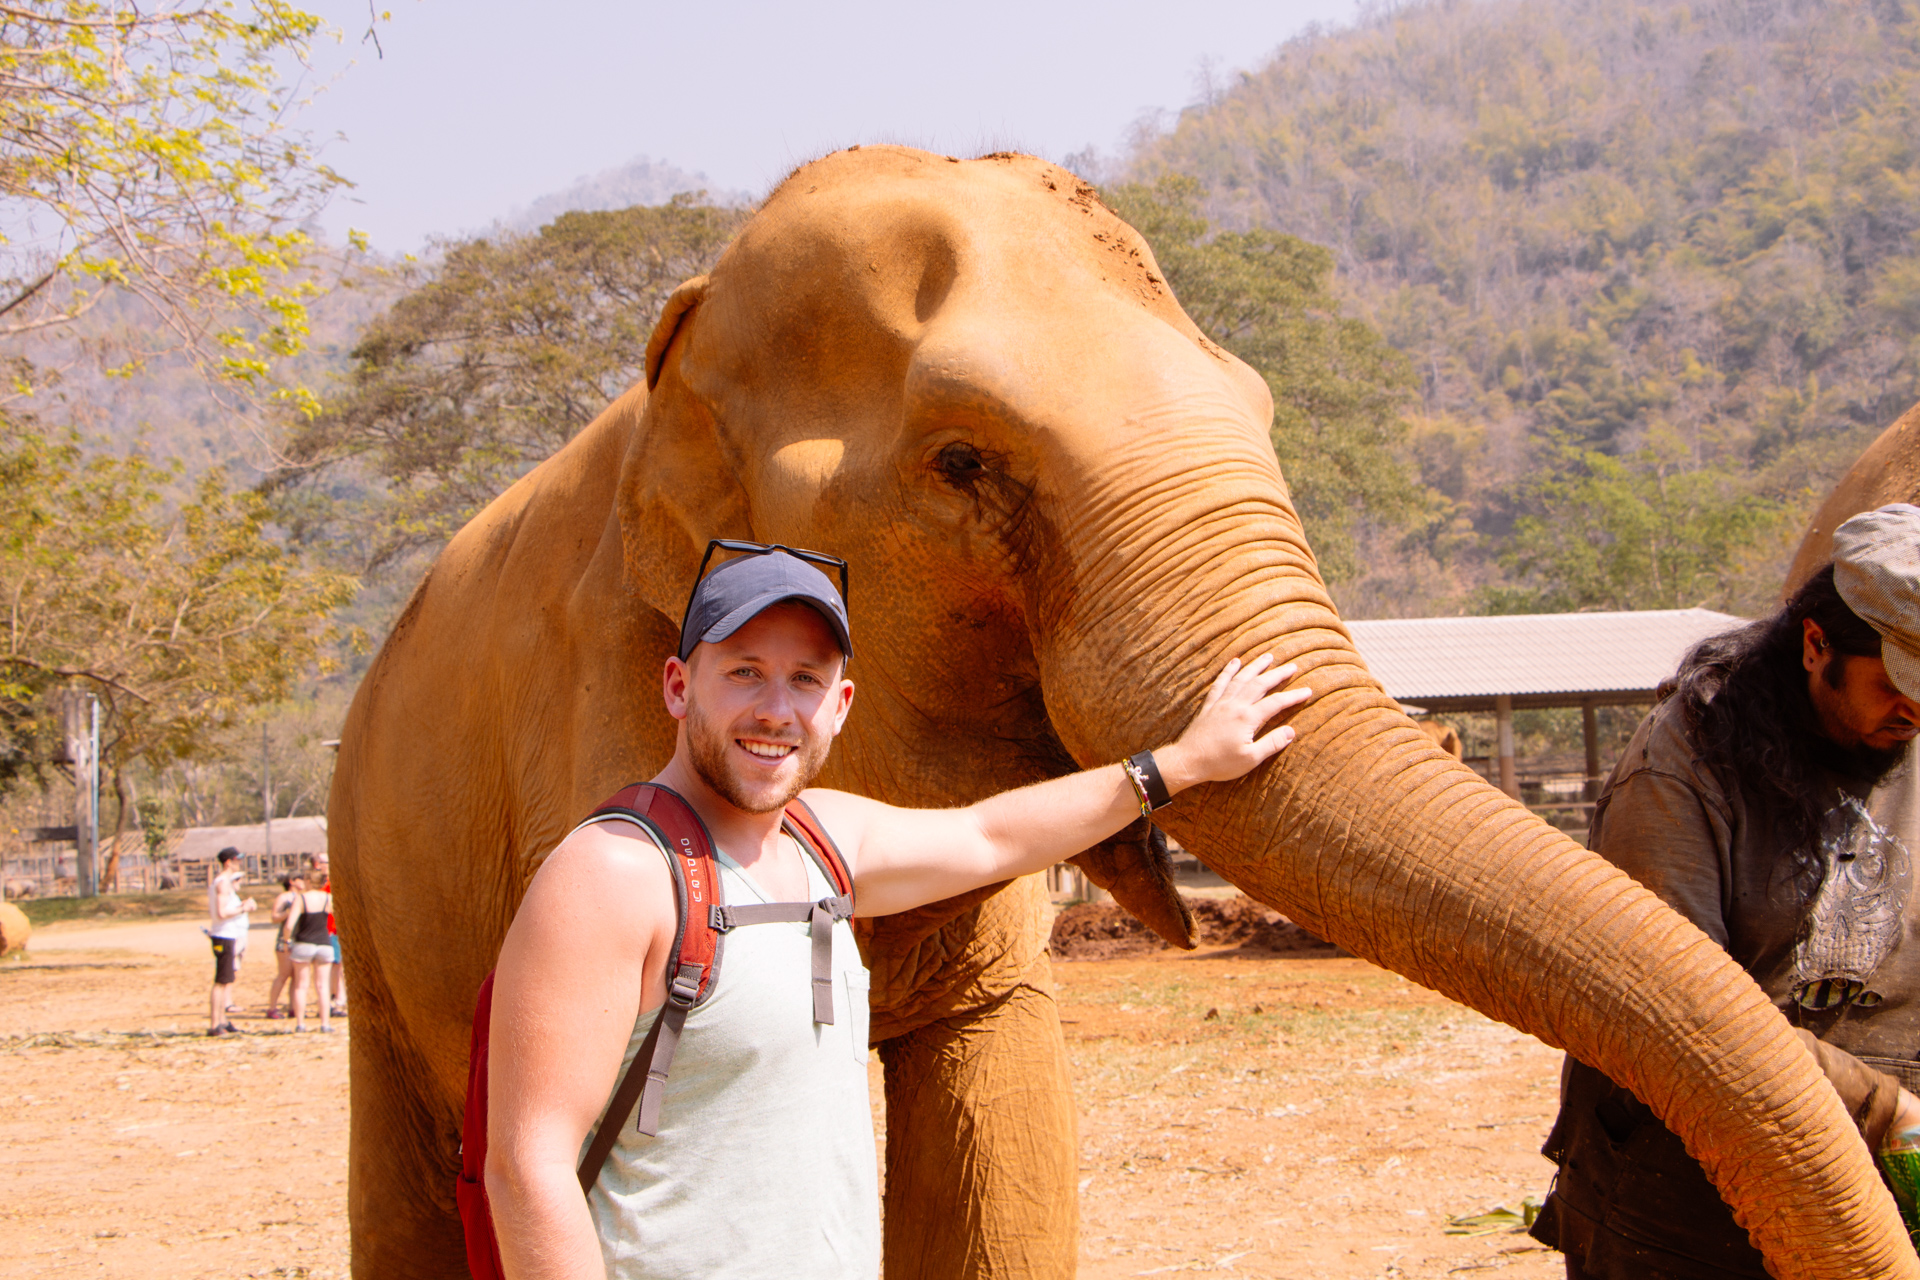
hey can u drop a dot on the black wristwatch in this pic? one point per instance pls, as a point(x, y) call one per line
point(1147, 782)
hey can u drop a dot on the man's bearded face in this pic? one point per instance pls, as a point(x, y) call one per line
point(763, 706)
point(715, 747)
point(1858, 706)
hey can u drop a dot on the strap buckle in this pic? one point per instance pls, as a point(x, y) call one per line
point(685, 986)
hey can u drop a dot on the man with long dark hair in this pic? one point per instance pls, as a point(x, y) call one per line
point(1745, 800)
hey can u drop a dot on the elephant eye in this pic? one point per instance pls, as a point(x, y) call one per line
point(960, 464)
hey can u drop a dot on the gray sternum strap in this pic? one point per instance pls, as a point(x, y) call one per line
point(819, 916)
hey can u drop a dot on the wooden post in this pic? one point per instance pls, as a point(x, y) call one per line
point(1503, 721)
point(266, 799)
point(1590, 730)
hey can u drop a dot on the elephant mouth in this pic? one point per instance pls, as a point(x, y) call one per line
point(1136, 867)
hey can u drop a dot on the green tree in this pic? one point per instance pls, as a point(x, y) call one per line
point(1339, 390)
point(1588, 224)
point(148, 150)
point(180, 619)
point(1640, 532)
point(499, 353)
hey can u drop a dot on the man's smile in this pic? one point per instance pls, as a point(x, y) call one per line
point(766, 750)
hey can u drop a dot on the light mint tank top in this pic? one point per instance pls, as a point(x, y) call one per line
point(764, 1166)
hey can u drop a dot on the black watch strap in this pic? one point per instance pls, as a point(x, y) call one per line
point(1146, 776)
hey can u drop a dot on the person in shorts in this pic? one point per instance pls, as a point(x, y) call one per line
point(282, 953)
point(305, 931)
point(228, 932)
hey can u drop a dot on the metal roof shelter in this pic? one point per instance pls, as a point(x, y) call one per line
point(1497, 664)
point(304, 836)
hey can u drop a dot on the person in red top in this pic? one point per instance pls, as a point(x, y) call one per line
point(337, 984)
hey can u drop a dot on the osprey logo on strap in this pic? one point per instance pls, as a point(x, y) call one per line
point(703, 921)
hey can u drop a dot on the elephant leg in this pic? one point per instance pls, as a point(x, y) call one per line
point(982, 1151)
point(404, 1148)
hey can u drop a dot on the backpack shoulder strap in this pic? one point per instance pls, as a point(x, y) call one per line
point(805, 826)
point(693, 966)
point(688, 846)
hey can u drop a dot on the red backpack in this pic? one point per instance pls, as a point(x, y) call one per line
point(705, 919)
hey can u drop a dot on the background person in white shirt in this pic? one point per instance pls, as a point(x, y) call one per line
point(229, 933)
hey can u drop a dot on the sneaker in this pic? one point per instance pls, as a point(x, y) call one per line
point(230, 1029)
point(225, 1029)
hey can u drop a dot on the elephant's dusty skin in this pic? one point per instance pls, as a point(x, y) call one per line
point(1888, 470)
point(1064, 514)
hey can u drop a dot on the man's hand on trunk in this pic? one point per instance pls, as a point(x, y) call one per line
point(1223, 742)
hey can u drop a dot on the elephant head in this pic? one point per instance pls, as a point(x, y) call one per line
point(1888, 470)
point(1063, 514)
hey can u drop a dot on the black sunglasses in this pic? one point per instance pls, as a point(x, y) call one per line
point(820, 558)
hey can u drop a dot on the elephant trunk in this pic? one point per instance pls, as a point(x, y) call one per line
point(1367, 834)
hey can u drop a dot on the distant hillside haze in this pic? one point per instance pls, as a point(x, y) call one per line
point(1680, 236)
point(639, 181)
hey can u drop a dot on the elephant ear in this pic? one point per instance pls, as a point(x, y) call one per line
point(679, 305)
point(1135, 867)
point(678, 486)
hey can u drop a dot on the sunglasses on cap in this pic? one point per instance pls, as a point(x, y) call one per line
point(820, 558)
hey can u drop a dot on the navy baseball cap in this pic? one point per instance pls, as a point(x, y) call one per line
point(738, 590)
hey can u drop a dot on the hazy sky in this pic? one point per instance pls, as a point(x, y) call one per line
point(480, 106)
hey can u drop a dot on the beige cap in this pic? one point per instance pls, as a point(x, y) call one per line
point(1876, 566)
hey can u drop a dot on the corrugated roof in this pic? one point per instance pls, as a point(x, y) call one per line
point(290, 835)
point(1537, 659)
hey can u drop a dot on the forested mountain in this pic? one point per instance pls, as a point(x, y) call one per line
point(1655, 265)
point(1564, 305)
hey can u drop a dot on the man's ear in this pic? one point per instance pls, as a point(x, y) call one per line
point(844, 693)
point(673, 687)
point(1813, 644)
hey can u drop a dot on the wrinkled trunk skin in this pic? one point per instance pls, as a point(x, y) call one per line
point(1368, 835)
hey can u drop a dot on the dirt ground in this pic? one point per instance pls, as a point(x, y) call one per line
point(1269, 1116)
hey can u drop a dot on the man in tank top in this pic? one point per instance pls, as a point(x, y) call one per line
point(763, 1164)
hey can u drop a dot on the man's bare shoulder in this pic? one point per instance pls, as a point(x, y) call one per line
point(621, 852)
point(611, 871)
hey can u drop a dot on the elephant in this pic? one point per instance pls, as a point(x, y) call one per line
point(1888, 470)
point(1063, 514)
point(1444, 736)
point(15, 929)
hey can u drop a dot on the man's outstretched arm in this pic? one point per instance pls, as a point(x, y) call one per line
point(903, 858)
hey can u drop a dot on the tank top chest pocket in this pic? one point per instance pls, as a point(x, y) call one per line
point(856, 983)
